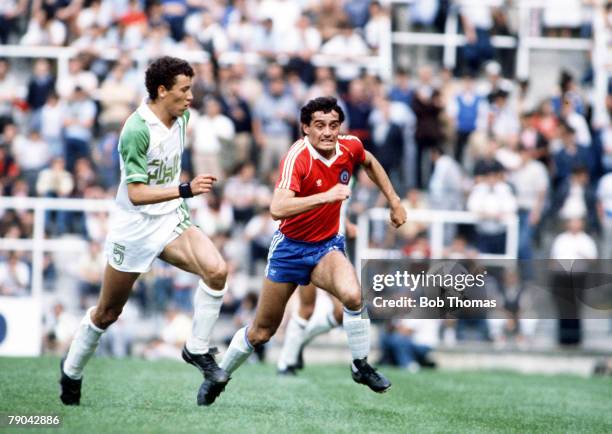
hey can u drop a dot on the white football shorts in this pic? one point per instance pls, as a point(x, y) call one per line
point(135, 239)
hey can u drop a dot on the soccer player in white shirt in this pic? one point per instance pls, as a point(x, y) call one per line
point(151, 221)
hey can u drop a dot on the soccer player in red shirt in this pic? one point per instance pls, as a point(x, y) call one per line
point(313, 182)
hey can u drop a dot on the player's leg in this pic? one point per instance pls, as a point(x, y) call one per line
point(335, 274)
point(269, 314)
point(116, 288)
point(195, 253)
point(329, 317)
point(288, 360)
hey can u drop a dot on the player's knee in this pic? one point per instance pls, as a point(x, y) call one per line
point(104, 317)
point(216, 278)
point(352, 301)
point(259, 336)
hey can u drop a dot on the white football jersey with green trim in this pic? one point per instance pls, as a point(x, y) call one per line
point(150, 153)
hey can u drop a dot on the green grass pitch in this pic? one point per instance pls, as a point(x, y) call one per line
point(140, 396)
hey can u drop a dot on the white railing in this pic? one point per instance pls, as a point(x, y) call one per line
point(436, 219)
point(524, 42)
point(62, 55)
point(38, 244)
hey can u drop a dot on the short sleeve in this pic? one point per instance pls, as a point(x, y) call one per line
point(357, 150)
point(133, 146)
point(292, 171)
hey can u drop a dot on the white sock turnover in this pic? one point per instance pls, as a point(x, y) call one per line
point(239, 350)
point(83, 346)
point(206, 306)
point(358, 332)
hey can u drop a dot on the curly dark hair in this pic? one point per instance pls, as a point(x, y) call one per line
point(323, 104)
point(163, 72)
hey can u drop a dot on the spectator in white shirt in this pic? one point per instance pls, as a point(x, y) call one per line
point(213, 134)
point(14, 276)
point(347, 48)
point(577, 122)
point(573, 249)
point(493, 201)
point(530, 182)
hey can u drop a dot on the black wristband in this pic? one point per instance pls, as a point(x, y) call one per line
point(185, 190)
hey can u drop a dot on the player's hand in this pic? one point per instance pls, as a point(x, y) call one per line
point(338, 193)
point(398, 215)
point(202, 184)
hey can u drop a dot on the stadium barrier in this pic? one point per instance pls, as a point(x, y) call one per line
point(437, 219)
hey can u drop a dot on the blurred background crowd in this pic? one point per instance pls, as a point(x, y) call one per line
point(474, 137)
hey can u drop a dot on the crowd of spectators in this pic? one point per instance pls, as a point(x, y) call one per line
point(474, 138)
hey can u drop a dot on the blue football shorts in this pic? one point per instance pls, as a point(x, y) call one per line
point(292, 261)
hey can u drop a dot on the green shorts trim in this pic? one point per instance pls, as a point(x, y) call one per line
point(184, 218)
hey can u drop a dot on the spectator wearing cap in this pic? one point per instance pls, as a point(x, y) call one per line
point(493, 201)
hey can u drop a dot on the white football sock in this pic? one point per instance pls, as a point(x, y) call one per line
point(319, 324)
point(206, 306)
point(358, 332)
point(294, 336)
point(83, 345)
point(239, 350)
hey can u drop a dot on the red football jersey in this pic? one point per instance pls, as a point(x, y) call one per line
point(306, 172)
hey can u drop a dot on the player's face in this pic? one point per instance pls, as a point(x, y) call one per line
point(323, 131)
point(178, 98)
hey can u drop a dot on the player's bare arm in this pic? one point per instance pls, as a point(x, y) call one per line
point(143, 194)
point(378, 175)
point(285, 204)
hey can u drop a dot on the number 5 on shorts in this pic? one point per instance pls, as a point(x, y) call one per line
point(118, 253)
